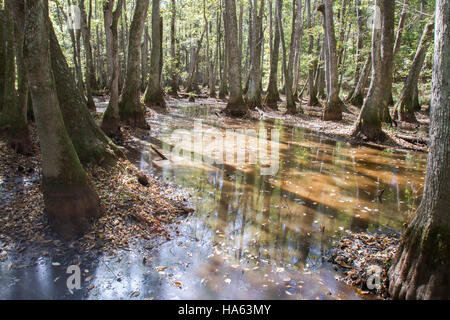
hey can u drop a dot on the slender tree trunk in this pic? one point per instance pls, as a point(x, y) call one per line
point(298, 49)
point(273, 95)
point(2, 56)
point(357, 98)
point(90, 73)
point(288, 65)
point(154, 93)
point(255, 78)
point(174, 82)
point(130, 108)
point(333, 107)
point(236, 106)
point(401, 25)
point(111, 118)
point(14, 113)
point(359, 46)
point(144, 59)
point(369, 121)
point(69, 197)
point(405, 107)
point(312, 89)
point(421, 268)
point(223, 88)
point(108, 6)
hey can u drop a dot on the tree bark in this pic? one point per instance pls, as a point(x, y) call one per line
point(130, 109)
point(273, 95)
point(421, 268)
point(91, 82)
point(333, 107)
point(236, 106)
point(69, 197)
point(2, 56)
point(154, 93)
point(368, 123)
point(357, 98)
point(255, 78)
point(174, 81)
point(14, 113)
point(91, 144)
point(405, 107)
point(111, 118)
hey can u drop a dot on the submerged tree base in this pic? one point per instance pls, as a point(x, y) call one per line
point(236, 109)
point(70, 207)
point(133, 115)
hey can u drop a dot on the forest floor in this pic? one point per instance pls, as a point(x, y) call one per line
point(137, 209)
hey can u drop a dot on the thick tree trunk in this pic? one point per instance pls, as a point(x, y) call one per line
point(333, 107)
point(369, 121)
point(405, 107)
point(130, 108)
point(154, 96)
point(236, 106)
point(111, 118)
point(69, 197)
point(91, 144)
point(273, 95)
point(421, 269)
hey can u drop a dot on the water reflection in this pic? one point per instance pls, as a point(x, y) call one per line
point(252, 236)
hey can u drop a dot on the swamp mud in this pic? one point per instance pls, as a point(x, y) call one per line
point(271, 202)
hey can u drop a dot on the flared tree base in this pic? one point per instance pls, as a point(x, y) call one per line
point(70, 208)
point(421, 269)
point(333, 111)
point(133, 115)
point(236, 109)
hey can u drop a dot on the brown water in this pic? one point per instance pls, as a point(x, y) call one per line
point(262, 229)
point(266, 236)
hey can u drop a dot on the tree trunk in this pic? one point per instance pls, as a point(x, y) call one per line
point(312, 89)
point(69, 197)
point(154, 93)
point(90, 81)
point(405, 107)
point(2, 56)
point(421, 268)
point(255, 77)
point(288, 65)
point(223, 88)
point(359, 46)
point(236, 106)
point(130, 108)
point(333, 107)
point(91, 144)
point(111, 118)
point(14, 113)
point(273, 95)
point(368, 123)
point(174, 86)
point(357, 98)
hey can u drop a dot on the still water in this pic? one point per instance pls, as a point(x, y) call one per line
point(270, 198)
